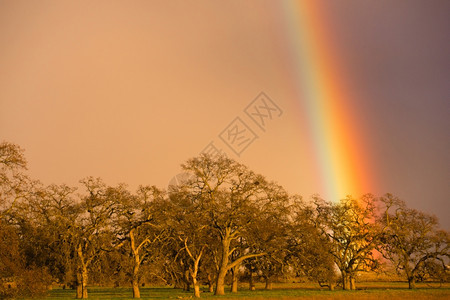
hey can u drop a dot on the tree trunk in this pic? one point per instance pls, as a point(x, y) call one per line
point(136, 264)
point(234, 280)
point(220, 283)
point(223, 265)
point(82, 275)
point(187, 285)
point(79, 286)
point(193, 272)
point(136, 291)
point(85, 281)
point(268, 283)
point(331, 285)
point(251, 283)
point(135, 282)
point(352, 283)
point(196, 288)
point(411, 283)
point(345, 283)
point(210, 284)
point(82, 279)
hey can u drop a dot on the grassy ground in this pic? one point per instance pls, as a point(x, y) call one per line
point(366, 291)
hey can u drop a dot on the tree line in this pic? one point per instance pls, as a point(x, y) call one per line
point(222, 224)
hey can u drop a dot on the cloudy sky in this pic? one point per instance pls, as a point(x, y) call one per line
point(127, 91)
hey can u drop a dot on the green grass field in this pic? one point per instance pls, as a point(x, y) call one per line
point(366, 290)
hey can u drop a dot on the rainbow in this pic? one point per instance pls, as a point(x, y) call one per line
point(317, 77)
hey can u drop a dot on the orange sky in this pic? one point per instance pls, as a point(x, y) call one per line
point(128, 91)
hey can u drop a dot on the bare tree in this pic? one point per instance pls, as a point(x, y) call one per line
point(90, 230)
point(14, 183)
point(269, 233)
point(138, 224)
point(234, 199)
point(412, 240)
point(21, 233)
point(309, 251)
point(350, 229)
point(190, 226)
